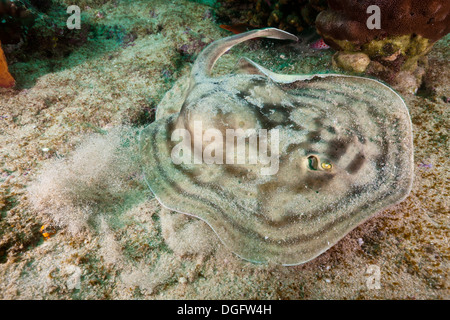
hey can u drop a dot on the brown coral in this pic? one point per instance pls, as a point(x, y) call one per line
point(346, 20)
point(398, 49)
point(6, 80)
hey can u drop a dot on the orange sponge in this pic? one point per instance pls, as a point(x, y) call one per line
point(6, 80)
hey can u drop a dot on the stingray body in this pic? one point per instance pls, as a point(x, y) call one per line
point(343, 145)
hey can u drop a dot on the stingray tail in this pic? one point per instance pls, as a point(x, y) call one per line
point(208, 57)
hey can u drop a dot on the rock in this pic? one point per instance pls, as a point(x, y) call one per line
point(351, 61)
point(408, 82)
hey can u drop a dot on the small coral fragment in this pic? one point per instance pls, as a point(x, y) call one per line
point(6, 80)
point(47, 231)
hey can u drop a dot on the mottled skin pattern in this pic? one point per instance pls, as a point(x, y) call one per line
point(345, 154)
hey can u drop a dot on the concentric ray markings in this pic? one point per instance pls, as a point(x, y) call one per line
point(345, 153)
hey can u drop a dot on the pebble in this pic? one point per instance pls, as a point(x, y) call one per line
point(182, 280)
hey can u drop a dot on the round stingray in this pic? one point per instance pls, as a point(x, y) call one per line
point(345, 153)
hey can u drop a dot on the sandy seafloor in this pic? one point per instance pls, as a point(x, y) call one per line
point(114, 241)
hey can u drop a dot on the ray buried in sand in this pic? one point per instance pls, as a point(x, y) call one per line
point(237, 146)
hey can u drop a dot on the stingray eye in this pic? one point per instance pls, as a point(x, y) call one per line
point(313, 163)
point(326, 166)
